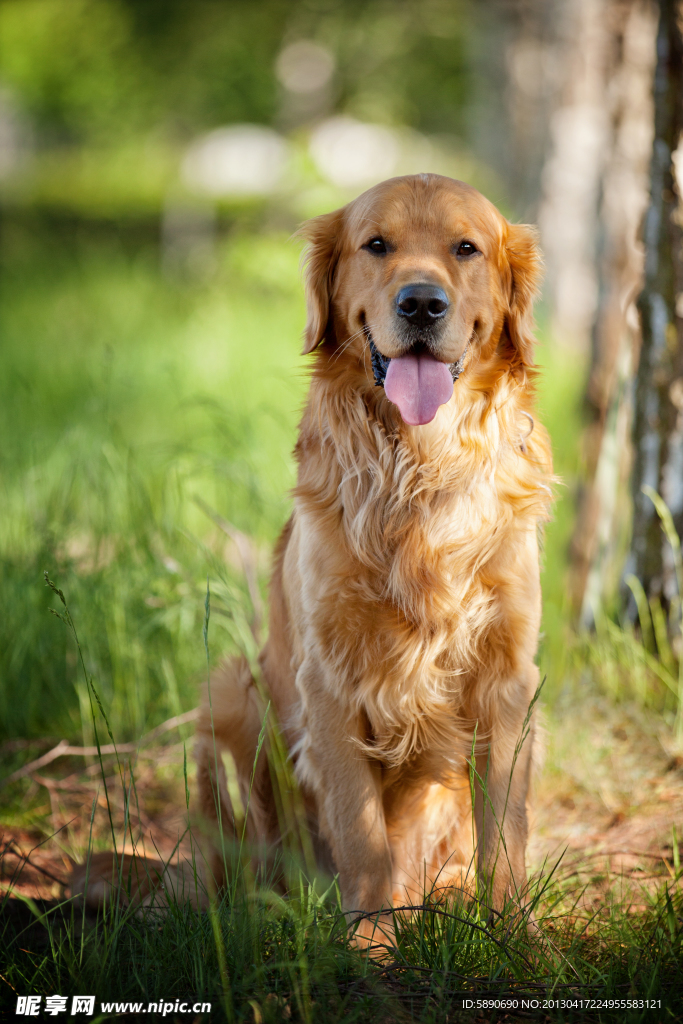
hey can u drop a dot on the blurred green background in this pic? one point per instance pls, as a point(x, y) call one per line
point(151, 306)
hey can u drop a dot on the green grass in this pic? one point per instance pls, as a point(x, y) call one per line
point(123, 395)
point(291, 960)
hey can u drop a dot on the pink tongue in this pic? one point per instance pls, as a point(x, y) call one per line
point(418, 385)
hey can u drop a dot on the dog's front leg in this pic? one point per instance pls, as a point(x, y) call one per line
point(348, 792)
point(501, 788)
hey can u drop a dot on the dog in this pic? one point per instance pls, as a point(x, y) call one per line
point(405, 597)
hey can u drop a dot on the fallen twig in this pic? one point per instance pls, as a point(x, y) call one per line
point(36, 867)
point(64, 749)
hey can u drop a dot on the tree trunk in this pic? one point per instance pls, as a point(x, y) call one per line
point(571, 177)
point(658, 419)
point(596, 186)
point(601, 536)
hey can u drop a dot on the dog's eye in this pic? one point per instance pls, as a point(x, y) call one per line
point(376, 245)
point(466, 249)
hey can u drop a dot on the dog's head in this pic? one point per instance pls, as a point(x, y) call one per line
point(413, 279)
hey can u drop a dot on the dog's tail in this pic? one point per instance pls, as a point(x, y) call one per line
point(235, 815)
point(230, 722)
point(133, 879)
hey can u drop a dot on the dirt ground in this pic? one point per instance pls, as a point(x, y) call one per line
point(608, 805)
point(608, 802)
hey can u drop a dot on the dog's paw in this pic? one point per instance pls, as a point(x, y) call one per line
point(373, 933)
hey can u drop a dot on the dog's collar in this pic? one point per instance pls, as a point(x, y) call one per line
point(380, 363)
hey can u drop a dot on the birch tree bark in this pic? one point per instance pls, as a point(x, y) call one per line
point(658, 419)
point(596, 185)
point(601, 536)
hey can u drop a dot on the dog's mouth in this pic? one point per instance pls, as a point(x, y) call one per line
point(416, 382)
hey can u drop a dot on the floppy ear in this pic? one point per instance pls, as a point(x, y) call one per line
point(323, 235)
point(525, 264)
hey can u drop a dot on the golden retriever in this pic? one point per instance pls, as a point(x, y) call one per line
point(405, 598)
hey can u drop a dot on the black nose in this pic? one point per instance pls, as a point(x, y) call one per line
point(421, 304)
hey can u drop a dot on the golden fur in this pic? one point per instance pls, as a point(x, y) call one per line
point(405, 597)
